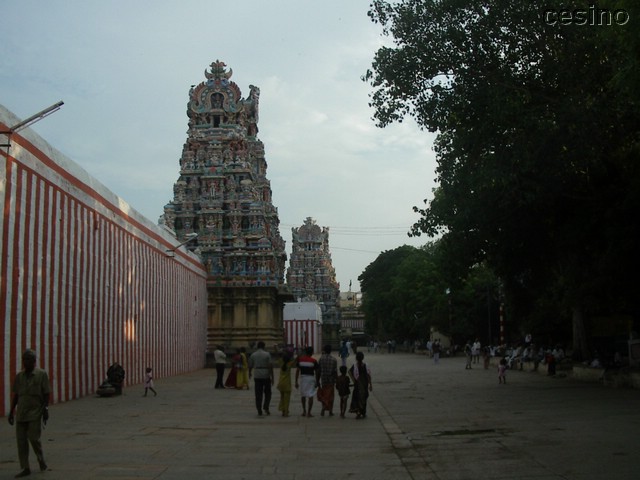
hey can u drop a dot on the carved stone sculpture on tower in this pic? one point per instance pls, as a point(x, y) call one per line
point(311, 275)
point(223, 194)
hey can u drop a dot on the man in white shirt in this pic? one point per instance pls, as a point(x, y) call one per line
point(261, 368)
point(221, 361)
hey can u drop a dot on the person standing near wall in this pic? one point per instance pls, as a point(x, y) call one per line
point(221, 361)
point(148, 382)
point(31, 398)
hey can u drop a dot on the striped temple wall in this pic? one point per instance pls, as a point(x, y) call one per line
point(86, 280)
point(304, 333)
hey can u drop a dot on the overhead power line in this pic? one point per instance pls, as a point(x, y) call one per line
point(355, 250)
point(393, 230)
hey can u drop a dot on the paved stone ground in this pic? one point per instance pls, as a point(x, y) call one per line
point(426, 421)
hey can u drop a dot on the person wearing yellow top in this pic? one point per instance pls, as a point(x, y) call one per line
point(284, 383)
point(242, 380)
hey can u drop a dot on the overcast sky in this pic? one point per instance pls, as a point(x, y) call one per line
point(124, 69)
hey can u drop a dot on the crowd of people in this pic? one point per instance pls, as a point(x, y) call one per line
point(315, 379)
point(320, 379)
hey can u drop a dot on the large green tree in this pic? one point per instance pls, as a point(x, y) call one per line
point(407, 291)
point(537, 141)
point(387, 307)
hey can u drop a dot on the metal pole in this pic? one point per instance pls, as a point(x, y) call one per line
point(501, 323)
point(489, 314)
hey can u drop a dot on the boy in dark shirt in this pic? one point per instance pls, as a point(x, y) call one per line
point(342, 385)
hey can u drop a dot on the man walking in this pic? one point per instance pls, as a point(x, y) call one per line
point(221, 360)
point(31, 397)
point(307, 378)
point(260, 361)
point(328, 376)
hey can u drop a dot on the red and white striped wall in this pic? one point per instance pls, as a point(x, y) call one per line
point(85, 280)
point(303, 325)
point(303, 333)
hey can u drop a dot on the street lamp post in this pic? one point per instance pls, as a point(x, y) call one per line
point(501, 323)
point(171, 252)
point(448, 292)
point(489, 314)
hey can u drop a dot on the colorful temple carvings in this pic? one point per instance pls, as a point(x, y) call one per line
point(311, 275)
point(223, 195)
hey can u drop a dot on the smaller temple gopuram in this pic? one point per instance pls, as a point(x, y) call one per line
point(222, 201)
point(311, 276)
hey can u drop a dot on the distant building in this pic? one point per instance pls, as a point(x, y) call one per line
point(350, 299)
point(352, 322)
point(223, 195)
point(311, 276)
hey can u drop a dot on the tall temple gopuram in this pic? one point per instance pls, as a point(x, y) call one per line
point(223, 195)
point(311, 275)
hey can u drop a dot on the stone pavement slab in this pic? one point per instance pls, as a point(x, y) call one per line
point(426, 421)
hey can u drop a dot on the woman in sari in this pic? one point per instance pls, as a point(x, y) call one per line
point(361, 376)
point(242, 381)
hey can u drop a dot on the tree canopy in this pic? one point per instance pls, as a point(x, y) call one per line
point(407, 291)
point(537, 141)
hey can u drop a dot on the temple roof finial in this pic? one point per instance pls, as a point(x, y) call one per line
point(218, 71)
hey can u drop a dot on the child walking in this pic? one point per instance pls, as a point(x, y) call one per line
point(148, 382)
point(342, 385)
point(502, 371)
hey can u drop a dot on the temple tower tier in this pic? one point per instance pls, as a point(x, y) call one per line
point(222, 202)
point(311, 276)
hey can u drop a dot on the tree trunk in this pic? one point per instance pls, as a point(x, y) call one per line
point(580, 347)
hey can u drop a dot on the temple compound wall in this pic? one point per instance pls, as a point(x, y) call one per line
point(86, 280)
